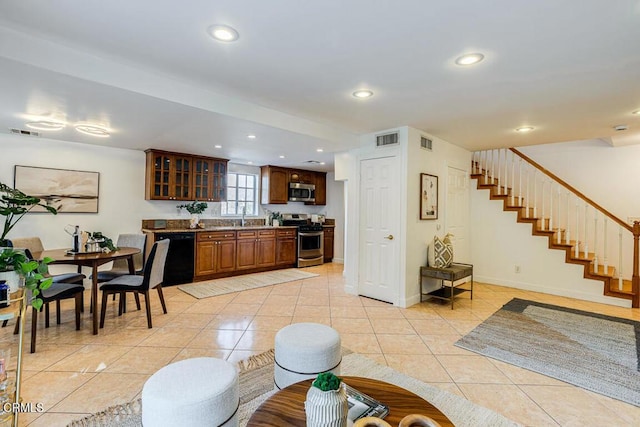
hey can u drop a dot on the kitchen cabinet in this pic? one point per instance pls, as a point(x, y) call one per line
point(209, 179)
point(275, 185)
point(178, 176)
point(321, 189)
point(302, 176)
point(256, 249)
point(328, 243)
point(286, 248)
point(215, 252)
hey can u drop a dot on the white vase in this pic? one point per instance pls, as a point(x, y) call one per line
point(13, 279)
point(193, 222)
point(326, 408)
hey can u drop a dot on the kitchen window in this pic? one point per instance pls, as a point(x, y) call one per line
point(242, 191)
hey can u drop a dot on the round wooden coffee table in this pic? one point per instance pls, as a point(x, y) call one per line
point(286, 407)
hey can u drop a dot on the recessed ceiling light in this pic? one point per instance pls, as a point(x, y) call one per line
point(363, 93)
point(637, 112)
point(45, 125)
point(251, 136)
point(92, 130)
point(223, 33)
point(319, 150)
point(524, 129)
point(217, 146)
point(249, 163)
point(469, 59)
point(322, 163)
point(282, 157)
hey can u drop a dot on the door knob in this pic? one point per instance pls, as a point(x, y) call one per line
point(390, 237)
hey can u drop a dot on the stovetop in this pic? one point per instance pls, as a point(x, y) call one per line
point(301, 221)
point(310, 227)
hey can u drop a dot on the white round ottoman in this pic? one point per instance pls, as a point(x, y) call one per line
point(303, 350)
point(192, 393)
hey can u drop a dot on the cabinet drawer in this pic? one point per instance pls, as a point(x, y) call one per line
point(328, 230)
point(247, 234)
point(216, 235)
point(286, 233)
point(266, 233)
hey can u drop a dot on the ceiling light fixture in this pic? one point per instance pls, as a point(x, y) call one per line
point(223, 33)
point(45, 125)
point(322, 163)
point(92, 130)
point(251, 136)
point(363, 93)
point(637, 112)
point(469, 59)
point(319, 150)
point(524, 129)
point(217, 146)
point(250, 163)
point(282, 157)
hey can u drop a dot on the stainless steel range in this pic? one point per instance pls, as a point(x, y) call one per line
point(310, 239)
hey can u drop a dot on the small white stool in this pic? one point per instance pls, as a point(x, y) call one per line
point(303, 350)
point(196, 392)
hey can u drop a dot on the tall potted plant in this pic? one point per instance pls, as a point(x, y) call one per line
point(14, 204)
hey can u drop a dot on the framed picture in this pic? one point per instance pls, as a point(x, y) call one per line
point(428, 196)
point(69, 191)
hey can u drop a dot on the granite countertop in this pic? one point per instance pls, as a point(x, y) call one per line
point(214, 228)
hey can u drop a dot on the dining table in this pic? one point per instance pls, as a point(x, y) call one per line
point(93, 260)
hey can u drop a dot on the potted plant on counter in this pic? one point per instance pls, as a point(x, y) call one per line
point(195, 208)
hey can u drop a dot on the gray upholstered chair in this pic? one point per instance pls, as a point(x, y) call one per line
point(64, 286)
point(120, 266)
point(151, 278)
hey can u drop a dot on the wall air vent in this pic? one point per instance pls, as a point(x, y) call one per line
point(313, 162)
point(387, 139)
point(24, 132)
point(426, 143)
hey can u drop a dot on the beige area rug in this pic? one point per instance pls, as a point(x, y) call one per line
point(256, 385)
point(211, 288)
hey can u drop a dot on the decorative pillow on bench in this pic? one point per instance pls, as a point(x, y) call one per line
point(440, 252)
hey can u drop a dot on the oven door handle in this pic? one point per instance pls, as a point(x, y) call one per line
point(311, 234)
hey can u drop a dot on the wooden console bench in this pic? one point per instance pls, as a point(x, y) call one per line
point(450, 274)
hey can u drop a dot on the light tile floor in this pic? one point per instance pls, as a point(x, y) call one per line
point(75, 373)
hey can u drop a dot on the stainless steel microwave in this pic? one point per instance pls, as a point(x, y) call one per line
point(302, 192)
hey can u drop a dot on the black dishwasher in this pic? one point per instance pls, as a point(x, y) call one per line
point(180, 259)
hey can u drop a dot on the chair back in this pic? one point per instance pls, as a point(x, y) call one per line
point(154, 267)
point(32, 244)
point(131, 241)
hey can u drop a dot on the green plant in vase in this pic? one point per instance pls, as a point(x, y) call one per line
point(33, 272)
point(14, 204)
point(194, 208)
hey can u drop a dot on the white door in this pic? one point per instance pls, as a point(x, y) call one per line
point(379, 226)
point(457, 213)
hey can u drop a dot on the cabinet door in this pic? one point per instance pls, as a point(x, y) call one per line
point(219, 181)
point(321, 189)
point(286, 251)
point(202, 182)
point(158, 177)
point(182, 174)
point(246, 256)
point(226, 255)
point(205, 258)
point(328, 244)
point(266, 251)
point(275, 185)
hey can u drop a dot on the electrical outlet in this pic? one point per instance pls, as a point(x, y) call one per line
point(517, 269)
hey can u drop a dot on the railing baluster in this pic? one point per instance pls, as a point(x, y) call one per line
point(535, 193)
point(528, 202)
point(577, 247)
point(620, 258)
point(604, 247)
point(550, 205)
point(544, 222)
point(520, 199)
point(567, 232)
point(513, 180)
point(595, 241)
point(492, 168)
point(586, 231)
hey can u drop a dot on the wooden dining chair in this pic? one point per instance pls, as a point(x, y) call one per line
point(64, 286)
point(151, 278)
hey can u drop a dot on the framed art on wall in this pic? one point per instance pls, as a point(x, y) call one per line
point(66, 190)
point(428, 196)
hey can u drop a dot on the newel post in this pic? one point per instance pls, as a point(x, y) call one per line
point(635, 280)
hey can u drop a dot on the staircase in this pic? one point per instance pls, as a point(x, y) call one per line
point(590, 236)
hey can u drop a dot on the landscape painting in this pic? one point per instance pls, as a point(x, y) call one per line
point(66, 190)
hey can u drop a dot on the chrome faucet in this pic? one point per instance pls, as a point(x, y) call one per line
point(244, 212)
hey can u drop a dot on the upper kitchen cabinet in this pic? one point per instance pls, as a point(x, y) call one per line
point(275, 185)
point(302, 176)
point(209, 179)
point(177, 176)
point(321, 188)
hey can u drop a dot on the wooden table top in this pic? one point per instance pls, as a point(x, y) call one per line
point(286, 407)
point(60, 256)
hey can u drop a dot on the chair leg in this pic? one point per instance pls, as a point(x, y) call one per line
point(121, 304)
point(57, 312)
point(148, 306)
point(4, 323)
point(46, 315)
point(78, 309)
point(164, 307)
point(34, 328)
point(137, 297)
point(16, 328)
point(82, 302)
point(103, 308)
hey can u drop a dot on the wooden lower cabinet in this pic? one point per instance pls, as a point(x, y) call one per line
point(328, 243)
point(286, 248)
point(215, 253)
point(256, 249)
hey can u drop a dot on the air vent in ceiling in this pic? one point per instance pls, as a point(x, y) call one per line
point(24, 132)
point(387, 139)
point(426, 143)
point(313, 162)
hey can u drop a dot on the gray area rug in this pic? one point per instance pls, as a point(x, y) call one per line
point(256, 385)
point(211, 288)
point(592, 351)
